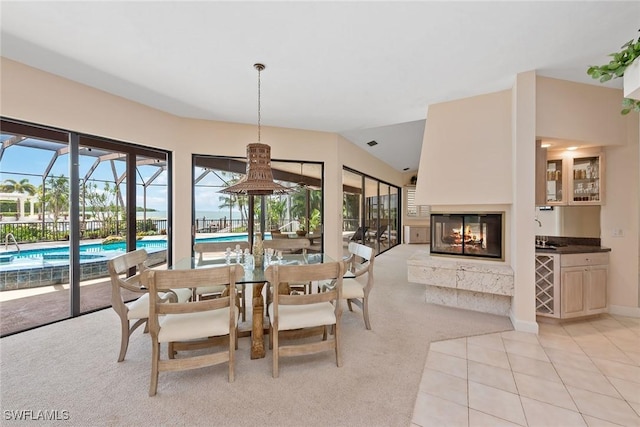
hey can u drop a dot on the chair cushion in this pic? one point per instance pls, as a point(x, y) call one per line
point(139, 309)
point(189, 326)
point(183, 294)
point(351, 288)
point(304, 316)
point(218, 289)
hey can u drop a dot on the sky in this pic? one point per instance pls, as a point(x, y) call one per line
point(24, 162)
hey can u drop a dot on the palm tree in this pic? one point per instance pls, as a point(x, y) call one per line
point(22, 186)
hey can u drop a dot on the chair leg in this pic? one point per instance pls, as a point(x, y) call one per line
point(337, 341)
point(155, 357)
point(233, 337)
point(244, 303)
point(349, 305)
point(365, 313)
point(171, 353)
point(275, 352)
point(124, 340)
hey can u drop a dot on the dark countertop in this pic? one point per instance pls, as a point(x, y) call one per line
point(572, 249)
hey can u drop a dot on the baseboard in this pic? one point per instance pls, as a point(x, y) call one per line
point(622, 310)
point(523, 326)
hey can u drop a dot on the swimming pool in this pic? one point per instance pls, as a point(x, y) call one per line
point(46, 266)
point(96, 250)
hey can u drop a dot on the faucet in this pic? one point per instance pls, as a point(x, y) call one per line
point(538, 221)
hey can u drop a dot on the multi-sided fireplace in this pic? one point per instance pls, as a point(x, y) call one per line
point(468, 234)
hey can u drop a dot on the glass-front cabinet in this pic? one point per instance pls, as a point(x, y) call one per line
point(555, 195)
point(586, 186)
point(575, 178)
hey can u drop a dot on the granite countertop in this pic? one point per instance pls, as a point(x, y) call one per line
point(571, 249)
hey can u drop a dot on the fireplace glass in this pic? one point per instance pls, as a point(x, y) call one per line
point(472, 235)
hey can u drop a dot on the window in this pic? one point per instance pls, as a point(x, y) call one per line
point(413, 210)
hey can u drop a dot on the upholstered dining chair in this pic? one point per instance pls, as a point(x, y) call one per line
point(205, 251)
point(136, 311)
point(192, 325)
point(358, 279)
point(288, 245)
point(305, 315)
point(291, 245)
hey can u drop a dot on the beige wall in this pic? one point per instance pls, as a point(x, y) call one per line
point(476, 132)
point(523, 151)
point(466, 152)
point(34, 96)
point(579, 112)
point(621, 211)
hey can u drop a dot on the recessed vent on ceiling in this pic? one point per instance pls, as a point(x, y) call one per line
point(372, 143)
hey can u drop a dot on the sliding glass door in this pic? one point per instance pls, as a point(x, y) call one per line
point(68, 203)
point(220, 216)
point(370, 211)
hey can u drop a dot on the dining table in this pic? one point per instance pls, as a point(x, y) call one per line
point(254, 277)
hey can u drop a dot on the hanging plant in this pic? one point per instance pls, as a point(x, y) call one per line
point(616, 67)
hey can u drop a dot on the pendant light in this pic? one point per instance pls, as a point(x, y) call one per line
point(258, 180)
point(301, 184)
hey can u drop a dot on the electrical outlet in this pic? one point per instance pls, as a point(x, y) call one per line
point(617, 232)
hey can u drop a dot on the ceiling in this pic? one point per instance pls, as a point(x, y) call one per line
point(365, 70)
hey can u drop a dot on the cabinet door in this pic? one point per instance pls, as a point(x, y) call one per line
point(573, 292)
point(596, 293)
point(555, 182)
point(541, 175)
point(586, 180)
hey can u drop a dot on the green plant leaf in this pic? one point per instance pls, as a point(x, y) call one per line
point(605, 78)
point(625, 111)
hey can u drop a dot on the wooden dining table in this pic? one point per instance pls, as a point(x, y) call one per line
point(256, 278)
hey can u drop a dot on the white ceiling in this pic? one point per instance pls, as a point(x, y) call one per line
point(366, 70)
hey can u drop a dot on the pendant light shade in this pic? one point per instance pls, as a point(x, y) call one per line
point(259, 178)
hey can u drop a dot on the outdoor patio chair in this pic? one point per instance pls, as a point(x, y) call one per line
point(360, 235)
point(120, 270)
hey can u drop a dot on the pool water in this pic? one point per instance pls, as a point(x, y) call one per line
point(94, 250)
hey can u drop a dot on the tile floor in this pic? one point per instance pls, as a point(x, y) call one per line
point(576, 374)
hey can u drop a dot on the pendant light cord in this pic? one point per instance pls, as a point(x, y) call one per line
point(259, 67)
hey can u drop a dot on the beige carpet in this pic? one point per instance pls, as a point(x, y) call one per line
point(71, 366)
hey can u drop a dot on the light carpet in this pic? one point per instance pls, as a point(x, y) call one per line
point(71, 366)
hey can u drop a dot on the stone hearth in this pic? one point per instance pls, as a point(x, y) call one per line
point(479, 286)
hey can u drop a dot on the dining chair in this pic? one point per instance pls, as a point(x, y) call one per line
point(289, 246)
point(305, 315)
point(206, 252)
point(358, 279)
point(192, 325)
point(125, 271)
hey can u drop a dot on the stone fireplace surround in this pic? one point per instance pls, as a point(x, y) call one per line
point(473, 284)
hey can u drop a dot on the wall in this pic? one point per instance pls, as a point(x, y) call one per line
point(35, 96)
point(579, 112)
point(591, 114)
point(477, 131)
point(466, 152)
